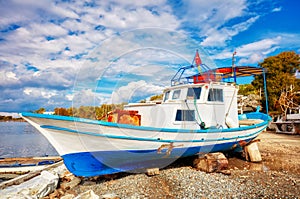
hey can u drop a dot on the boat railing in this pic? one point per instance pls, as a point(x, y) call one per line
point(205, 75)
point(223, 74)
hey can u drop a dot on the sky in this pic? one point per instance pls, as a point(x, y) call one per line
point(64, 53)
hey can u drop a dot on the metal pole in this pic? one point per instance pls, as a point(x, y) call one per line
point(233, 67)
point(266, 93)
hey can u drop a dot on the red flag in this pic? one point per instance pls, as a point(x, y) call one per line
point(198, 59)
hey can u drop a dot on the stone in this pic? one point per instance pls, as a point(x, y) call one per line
point(152, 171)
point(211, 162)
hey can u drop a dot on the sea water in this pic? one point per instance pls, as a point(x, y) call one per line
point(20, 139)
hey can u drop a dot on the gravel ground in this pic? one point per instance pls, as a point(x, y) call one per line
point(278, 176)
point(186, 182)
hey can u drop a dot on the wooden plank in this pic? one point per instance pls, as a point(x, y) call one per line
point(28, 160)
point(286, 122)
point(249, 122)
point(293, 116)
point(23, 178)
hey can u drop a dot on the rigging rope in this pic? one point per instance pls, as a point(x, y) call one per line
point(201, 124)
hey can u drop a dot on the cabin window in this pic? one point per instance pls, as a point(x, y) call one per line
point(176, 94)
point(185, 115)
point(215, 95)
point(167, 94)
point(194, 93)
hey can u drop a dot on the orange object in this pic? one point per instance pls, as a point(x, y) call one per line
point(125, 117)
point(206, 77)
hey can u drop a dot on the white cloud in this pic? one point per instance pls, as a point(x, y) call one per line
point(48, 94)
point(87, 97)
point(27, 91)
point(134, 90)
point(8, 78)
point(128, 20)
point(278, 9)
point(11, 75)
point(40, 92)
point(215, 37)
point(69, 97)
point(19, 11)
point(46, 29)
point(253, 52)
point(263, 46)
point(252, 59)
point(213, 12)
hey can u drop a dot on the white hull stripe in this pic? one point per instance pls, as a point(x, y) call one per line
point(254, 115)
point(149, 139)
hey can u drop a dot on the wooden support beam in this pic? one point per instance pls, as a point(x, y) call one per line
point(252, 152)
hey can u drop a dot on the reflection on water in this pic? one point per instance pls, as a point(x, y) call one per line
point(20, 139)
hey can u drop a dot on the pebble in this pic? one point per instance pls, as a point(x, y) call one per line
point(186, 182)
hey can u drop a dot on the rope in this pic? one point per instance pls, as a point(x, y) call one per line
point(201, 124)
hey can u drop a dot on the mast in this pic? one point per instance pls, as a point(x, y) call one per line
point(233, 67)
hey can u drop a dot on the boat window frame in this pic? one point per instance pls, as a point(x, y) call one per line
point(194, 94)
point(176, 92)
point(218, 95)
point(167, 95)
point(180, 115)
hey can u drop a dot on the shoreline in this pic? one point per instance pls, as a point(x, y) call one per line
point(5, 119)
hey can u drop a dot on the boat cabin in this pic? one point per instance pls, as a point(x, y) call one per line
point(192, 106)
point(206, 100)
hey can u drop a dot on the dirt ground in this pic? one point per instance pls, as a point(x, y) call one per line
point(280, 152)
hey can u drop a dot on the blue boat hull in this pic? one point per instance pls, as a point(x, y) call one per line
point(109, 162)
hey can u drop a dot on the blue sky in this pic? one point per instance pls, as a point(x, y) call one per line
point(65, 52)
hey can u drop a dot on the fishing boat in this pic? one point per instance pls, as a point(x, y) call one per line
point(198, 115)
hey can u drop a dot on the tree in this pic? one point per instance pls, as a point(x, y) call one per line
point(61, 111)
point(40, 110)
point(156, 97)
point(280, 76)
point(247, 89)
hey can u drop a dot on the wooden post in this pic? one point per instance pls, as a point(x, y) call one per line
point(252, 152)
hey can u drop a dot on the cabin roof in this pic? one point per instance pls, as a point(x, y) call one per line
point(222, 74)
point(240, 71)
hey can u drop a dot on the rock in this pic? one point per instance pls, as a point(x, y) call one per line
point(211, 162)
point(54, 194)
point(87, 195)
point(67, 196)
point(110, 196)
point(74, 181)
point(152, 171)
